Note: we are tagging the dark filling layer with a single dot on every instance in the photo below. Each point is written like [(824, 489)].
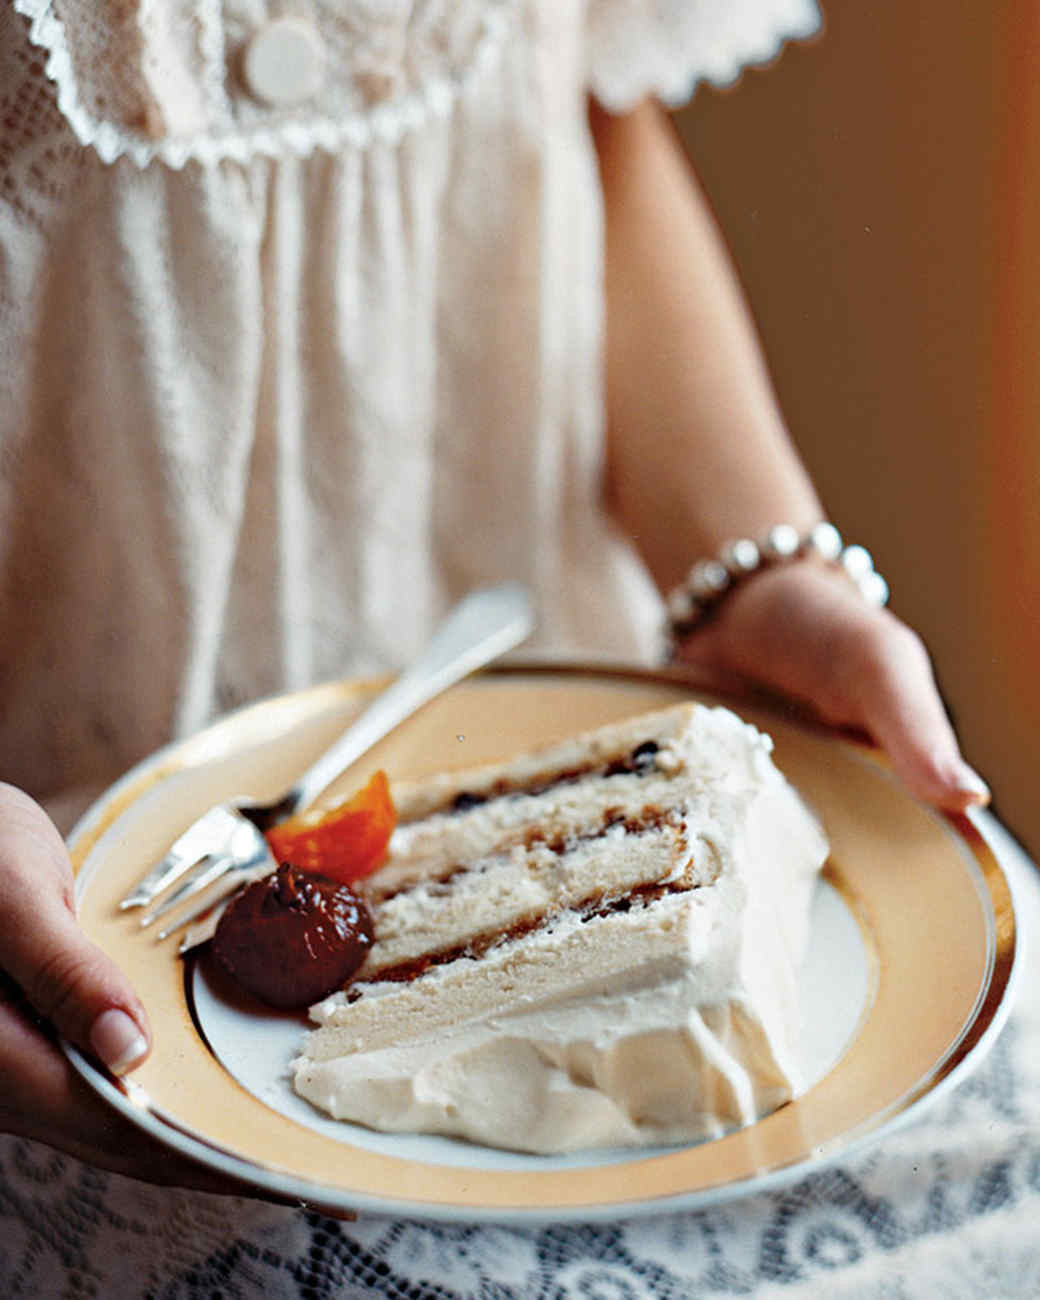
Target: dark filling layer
[(595, 905), (639, 761), (478, 945), (650, 817)]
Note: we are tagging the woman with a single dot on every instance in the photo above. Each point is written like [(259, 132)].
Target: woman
[(314, 321)]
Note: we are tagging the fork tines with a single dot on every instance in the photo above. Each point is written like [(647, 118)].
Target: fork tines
[(213, 828)]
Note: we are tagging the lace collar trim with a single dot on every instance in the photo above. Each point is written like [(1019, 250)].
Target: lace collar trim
[(210, 131)]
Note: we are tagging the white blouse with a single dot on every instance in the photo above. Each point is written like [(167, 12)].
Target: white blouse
[(300, 335), (300, 327)]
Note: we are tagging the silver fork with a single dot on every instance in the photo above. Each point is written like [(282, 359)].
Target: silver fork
[(227, 844)]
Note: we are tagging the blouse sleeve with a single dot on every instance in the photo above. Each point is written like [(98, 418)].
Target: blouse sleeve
[(665, 47)]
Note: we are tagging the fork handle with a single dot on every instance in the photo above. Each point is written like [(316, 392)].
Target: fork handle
[(482, 626)]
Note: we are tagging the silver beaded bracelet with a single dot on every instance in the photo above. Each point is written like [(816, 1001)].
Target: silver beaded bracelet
[(711, 580)]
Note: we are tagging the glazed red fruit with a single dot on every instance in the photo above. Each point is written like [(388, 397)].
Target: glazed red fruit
[(293, 938)]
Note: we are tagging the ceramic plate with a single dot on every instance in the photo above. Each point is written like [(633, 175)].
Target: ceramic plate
[(907, 982)]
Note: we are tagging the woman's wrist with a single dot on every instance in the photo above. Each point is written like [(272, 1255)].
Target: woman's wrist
[(712, 579)]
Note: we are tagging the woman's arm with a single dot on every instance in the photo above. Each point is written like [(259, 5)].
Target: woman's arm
[(691, 406), (698, 454)]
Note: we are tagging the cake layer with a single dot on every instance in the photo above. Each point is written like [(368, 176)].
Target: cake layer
[(511, 893), (577, 956), (610, 750), (578, 809), (644, 1055)]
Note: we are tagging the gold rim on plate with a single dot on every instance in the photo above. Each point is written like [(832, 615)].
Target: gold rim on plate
[(929, 895)]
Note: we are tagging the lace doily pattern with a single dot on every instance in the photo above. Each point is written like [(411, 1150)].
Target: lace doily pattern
[(666, 47), (150, 80), (928, 1214)]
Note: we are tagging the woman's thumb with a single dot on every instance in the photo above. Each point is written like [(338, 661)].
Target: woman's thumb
[(69, 981)]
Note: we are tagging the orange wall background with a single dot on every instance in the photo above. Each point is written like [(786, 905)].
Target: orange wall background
[(880, 189)]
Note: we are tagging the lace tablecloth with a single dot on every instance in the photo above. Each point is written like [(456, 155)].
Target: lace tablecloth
[(946, 1206)]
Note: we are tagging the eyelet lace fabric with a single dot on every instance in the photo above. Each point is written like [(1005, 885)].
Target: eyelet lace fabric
[(437, 192), (38, 157)]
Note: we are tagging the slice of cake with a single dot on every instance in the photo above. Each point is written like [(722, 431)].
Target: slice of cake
[(593, 945)]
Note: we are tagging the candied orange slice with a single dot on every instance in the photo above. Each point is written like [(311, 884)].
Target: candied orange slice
[(344, 843)]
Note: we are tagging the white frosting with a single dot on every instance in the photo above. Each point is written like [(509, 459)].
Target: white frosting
[(673, 1020)]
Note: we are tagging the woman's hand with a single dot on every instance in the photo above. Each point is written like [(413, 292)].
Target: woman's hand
[(803, 630), (53, 981)]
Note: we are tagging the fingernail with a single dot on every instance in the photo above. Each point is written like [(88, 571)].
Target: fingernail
[(118, 1041), (968, 782)]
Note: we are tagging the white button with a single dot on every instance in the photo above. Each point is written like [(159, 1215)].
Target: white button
[(284, 62)]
